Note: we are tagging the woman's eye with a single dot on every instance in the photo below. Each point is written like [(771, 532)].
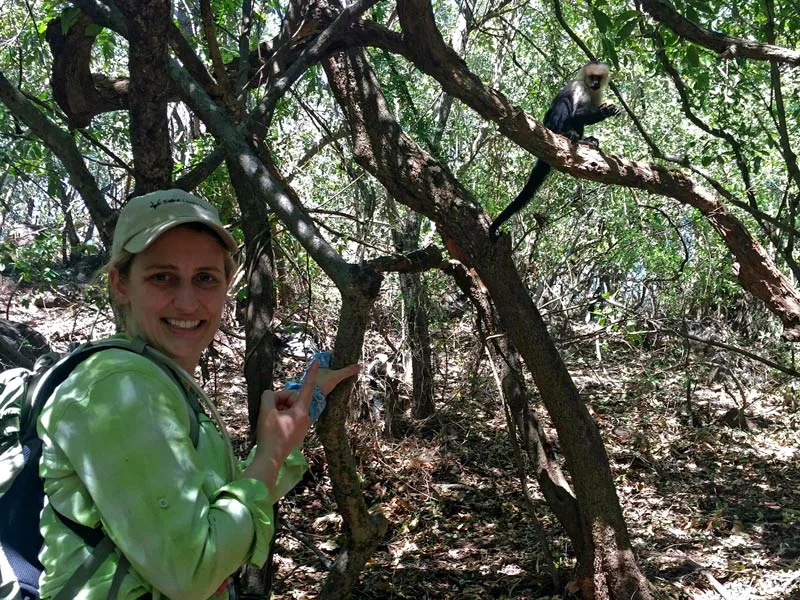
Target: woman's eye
[(206, 278), (160, 278)]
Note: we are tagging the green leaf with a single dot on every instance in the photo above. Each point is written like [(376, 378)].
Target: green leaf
[(627, 28), (94, 30), (693, 56), (602, 19), (611, 52), (703, 81), (628, 14)]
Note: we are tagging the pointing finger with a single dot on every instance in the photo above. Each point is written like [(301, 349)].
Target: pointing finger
[(307, 389)]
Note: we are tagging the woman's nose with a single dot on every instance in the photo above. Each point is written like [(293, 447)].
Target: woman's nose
[(185, 298)]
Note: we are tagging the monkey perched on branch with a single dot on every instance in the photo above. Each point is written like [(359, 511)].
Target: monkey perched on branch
[(578, 104)]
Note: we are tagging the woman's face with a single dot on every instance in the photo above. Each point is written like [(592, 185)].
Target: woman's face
[(175, 293)]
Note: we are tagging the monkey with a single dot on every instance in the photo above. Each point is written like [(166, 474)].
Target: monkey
[(579, 103)]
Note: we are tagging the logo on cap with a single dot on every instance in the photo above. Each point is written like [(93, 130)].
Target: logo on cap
[(156, 203)]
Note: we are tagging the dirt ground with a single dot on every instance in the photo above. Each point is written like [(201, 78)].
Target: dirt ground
[(713, 509)]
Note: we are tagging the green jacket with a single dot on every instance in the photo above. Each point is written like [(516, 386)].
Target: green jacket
[(117, 451)]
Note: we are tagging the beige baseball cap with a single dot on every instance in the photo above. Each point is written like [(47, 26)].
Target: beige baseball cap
[(146, 217)]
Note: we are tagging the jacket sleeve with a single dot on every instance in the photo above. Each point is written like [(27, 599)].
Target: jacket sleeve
[(162, 501)]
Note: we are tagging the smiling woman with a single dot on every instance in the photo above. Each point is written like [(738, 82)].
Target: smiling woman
[(175, 303), (122, 452)]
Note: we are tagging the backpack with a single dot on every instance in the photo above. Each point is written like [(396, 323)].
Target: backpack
[(23, 394)]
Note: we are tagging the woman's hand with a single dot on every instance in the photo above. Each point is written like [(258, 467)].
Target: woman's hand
[(327, 379), (283, 420)]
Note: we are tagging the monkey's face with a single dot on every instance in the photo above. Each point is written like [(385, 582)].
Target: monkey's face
[(595, 76), (595, 82)]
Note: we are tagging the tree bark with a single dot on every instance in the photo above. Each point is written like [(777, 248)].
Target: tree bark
[(149, 23), (416, 308), (557, 491), (364, 529), (260, 340), (80, 94), (726, 46)]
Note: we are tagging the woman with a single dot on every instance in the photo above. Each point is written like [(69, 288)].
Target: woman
[(117, 449)]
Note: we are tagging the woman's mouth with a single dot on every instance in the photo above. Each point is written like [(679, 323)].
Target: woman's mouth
[(180, 324)]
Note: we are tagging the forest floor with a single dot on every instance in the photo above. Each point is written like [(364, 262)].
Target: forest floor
[(713, 510)]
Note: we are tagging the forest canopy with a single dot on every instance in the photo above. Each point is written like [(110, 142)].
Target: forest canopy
[(359, 153)]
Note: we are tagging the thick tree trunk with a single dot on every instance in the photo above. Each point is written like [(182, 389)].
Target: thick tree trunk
[(416, 307), (608, 568), (149, 23), (260, 340), (363, 529)]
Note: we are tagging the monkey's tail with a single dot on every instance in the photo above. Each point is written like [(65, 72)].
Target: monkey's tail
[(535, 180)]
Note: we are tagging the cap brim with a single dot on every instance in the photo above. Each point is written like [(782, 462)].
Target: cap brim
[(143, 239)]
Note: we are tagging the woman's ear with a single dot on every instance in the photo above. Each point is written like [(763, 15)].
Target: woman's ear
[(119, 286)]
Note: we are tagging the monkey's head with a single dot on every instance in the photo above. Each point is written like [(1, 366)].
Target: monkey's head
[(595, 75)]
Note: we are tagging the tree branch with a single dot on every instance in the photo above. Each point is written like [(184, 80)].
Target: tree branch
[(63, 146), (411, 262), (726, 46)]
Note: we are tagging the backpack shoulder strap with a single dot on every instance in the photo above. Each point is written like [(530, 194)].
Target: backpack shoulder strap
[(177, 374), (97, 556), (46, 384)]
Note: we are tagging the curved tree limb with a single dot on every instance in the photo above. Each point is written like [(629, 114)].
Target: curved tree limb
[(63, 146), (416, 261), (717, 132), (768, 226), (751, 207), (78, 92), (726, 46)]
